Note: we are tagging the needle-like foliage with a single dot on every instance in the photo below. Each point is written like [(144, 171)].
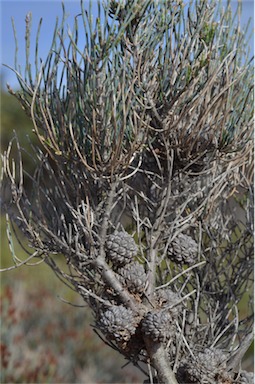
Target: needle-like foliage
[(144, 116)]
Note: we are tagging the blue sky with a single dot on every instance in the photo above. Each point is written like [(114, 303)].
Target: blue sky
[(18, 9), (49, 10)]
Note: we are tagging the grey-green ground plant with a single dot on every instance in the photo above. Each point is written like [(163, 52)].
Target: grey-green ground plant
[(144, 180)]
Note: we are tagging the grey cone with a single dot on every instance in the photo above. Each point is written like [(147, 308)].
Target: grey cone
[(183, 250), (133, 277), (166, 298), (208, 364), (120, 248), (159, 325), (118, 323)]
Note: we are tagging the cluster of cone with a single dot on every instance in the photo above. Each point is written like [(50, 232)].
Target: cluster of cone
[(119, 323), (127, 328)]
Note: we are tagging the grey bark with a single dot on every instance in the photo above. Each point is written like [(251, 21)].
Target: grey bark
[(160, 362)]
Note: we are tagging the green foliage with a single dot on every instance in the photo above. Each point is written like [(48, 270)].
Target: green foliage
[(13, 119), (144, 66)]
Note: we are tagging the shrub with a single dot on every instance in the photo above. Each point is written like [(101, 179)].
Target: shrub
[(146, 136)]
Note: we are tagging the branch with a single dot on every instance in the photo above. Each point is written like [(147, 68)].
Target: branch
[(160, 362), (111, 279)]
